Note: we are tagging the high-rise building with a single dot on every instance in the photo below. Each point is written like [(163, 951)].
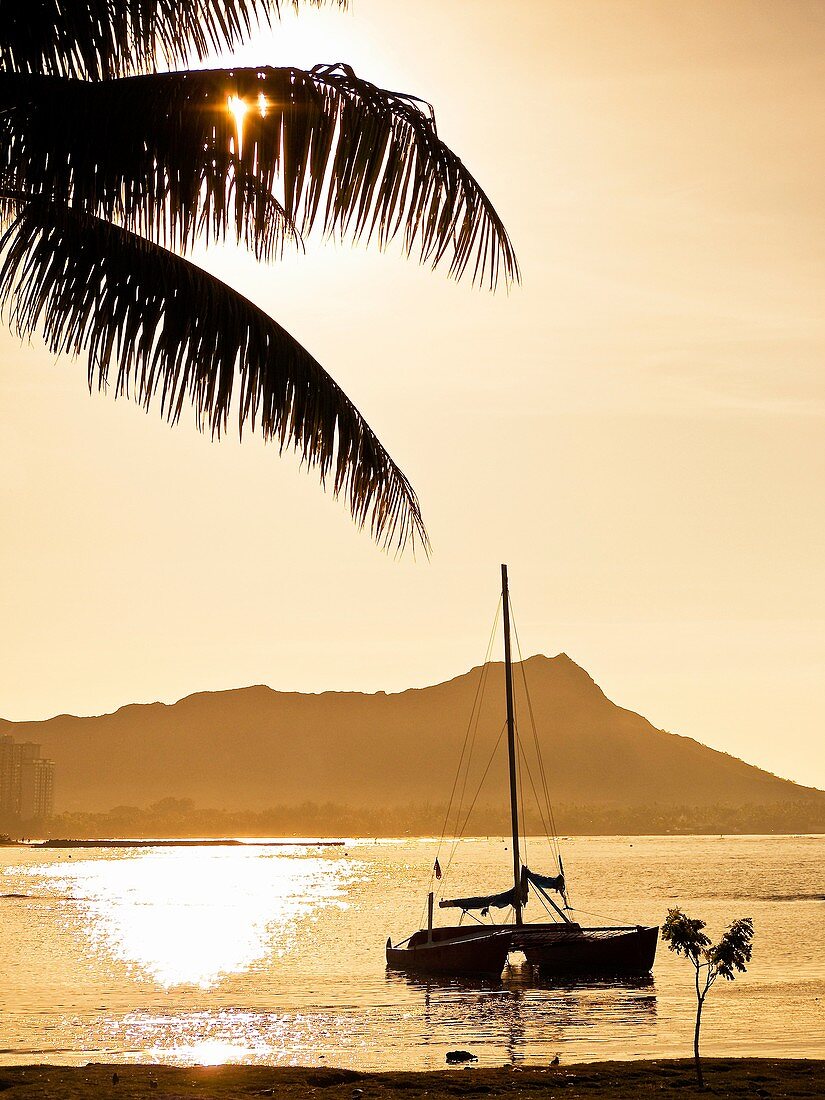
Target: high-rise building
[(6, 772), (26, 780), (36, 789)]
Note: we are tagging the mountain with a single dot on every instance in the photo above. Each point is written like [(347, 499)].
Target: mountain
[(253, 748)]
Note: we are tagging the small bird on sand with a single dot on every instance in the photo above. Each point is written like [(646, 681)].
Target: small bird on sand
[(153, 1083), (555, 1061)]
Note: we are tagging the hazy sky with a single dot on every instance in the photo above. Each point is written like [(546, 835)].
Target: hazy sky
[(637, 430)]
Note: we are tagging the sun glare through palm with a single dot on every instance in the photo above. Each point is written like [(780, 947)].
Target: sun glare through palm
[(238, 107)]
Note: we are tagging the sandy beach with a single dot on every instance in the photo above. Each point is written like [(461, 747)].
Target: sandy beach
[(726, 1077)]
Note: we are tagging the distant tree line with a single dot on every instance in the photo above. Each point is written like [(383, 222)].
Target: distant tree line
[(180, 817)]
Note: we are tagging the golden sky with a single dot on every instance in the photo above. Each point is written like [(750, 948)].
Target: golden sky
[(637, 430)]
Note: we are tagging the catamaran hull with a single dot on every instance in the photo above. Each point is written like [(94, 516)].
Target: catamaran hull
[(466, 956), (591, 952), (554, 949)]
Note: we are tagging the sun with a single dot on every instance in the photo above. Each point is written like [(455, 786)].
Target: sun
[(238, 107)]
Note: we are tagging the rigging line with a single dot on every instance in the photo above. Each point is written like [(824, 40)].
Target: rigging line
[(475, 716), (519, 755), (476, 703), (475, 799), (532, 717), (524, 837), (589, 913), (533, 785), (485, 676), (457, 829), (541, 815), (551, 832), (481, 784), (544, 904), (479, 692), (554, 845), (474, 917), (521, 798)]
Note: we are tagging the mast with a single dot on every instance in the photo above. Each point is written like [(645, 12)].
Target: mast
[(511, 741)]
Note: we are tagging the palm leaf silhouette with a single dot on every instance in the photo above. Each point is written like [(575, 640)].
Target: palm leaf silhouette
[(177, 335), (319, 146), (99, 38), (108, 169)]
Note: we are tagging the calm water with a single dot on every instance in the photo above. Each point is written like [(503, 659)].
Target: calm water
[(203, 955)]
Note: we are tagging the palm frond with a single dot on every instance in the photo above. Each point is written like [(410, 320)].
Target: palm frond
[(101, 38), (158, 328), (163, 154)]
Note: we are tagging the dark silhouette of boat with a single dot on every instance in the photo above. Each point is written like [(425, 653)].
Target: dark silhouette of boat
[(453, 950), (560, 947)]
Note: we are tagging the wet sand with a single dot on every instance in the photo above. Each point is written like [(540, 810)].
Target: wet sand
[(757, 1078)]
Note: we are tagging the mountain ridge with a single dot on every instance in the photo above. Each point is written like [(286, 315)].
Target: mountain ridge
[(257, 746)]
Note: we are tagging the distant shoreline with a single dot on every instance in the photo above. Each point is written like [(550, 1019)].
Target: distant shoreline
[(340, 840), (183, 819), (188, 842), (667, 1079)]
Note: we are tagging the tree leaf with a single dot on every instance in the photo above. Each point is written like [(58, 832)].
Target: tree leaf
[(734, 950), (685, 935)]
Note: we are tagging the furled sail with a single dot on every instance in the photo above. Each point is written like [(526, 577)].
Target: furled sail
[(488, 901), (545, 882), (507, 897)]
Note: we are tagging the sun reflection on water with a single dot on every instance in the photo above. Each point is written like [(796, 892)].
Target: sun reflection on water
[(237, 1036), (274, 955), (190, 917), (210, 1052)]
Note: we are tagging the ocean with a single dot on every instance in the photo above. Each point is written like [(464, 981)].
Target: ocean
[(205, 955)]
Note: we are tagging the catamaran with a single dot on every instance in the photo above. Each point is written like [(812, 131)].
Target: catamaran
[(558, 947)]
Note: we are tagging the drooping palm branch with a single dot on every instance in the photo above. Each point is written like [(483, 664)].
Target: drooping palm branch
[(175, 334), (320, 146), (102, 38), (101, 174)]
